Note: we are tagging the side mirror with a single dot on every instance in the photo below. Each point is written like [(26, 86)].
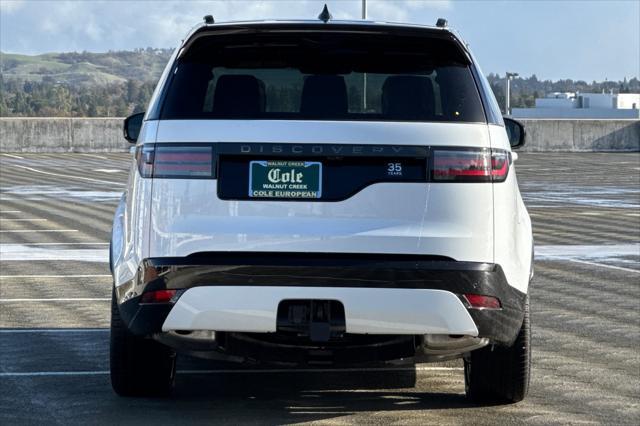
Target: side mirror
[(132, 125), (515, 132)]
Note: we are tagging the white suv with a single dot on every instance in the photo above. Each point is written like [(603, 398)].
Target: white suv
[(322, 192)]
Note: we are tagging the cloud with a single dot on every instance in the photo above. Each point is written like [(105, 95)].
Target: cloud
[(64, 25), (10, 6), (405, 10), (551, 41)]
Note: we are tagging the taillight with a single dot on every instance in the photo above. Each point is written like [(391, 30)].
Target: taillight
[(500, 161), (174, 161), (469, 165), (144, 157), (479, 301)]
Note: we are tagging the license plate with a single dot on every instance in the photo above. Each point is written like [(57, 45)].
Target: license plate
[(285, 179)]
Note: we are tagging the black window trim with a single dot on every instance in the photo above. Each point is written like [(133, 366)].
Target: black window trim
[(491, 116), (155, 111)]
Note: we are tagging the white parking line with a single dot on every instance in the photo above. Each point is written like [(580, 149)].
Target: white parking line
[(41, 230), (51, 330), (69, 176), (54, 244), (24, 220), (60, 299), (110, 170), (101, 157), (263, 371), (14, 156), (579, 254), (55, 373), (619, 268), (587, 251), (10, 211), (54, 276), (49, 192), (16, 252)]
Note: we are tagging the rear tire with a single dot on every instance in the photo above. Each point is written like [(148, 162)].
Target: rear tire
[(139, 366), (501, 374)]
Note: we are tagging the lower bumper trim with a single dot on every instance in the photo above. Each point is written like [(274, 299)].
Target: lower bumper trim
[(319, 276), (249, 309)]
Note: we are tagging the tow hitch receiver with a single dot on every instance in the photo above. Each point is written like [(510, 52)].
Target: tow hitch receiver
[(317, 320)]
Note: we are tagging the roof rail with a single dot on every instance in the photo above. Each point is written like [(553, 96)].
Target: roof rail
[(442, 23)]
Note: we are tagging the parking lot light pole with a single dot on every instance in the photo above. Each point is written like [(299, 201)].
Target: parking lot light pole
[(507, 97)]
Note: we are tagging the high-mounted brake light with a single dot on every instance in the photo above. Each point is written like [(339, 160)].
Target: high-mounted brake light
[(469, 165), (173, 161), (158, 296), (478, 301)]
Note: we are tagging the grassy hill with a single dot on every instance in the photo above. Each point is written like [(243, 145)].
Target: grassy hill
[(85, 69), (118, 83)]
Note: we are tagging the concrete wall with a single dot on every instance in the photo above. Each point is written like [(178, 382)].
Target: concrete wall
[(105, 134), (61, 135), (570, 113), (581, 135)]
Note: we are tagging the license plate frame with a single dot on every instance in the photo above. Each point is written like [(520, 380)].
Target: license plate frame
[(285, 179)]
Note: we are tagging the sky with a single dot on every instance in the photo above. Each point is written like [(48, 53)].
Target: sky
[(554, 39)]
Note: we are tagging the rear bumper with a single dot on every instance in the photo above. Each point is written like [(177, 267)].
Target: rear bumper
[(381, 294), (253, 309)]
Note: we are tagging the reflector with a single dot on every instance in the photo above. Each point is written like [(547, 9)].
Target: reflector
[(478, 301), (158, 296)]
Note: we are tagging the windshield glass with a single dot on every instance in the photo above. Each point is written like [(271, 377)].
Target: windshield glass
[(323, 76)]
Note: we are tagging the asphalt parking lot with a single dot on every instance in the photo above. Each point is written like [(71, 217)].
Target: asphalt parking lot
[(55, 219)]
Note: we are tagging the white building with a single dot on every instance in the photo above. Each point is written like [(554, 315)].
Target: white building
[(583, 105), (628, 101)]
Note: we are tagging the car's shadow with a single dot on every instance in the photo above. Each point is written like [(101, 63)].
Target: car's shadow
[(286, 397)]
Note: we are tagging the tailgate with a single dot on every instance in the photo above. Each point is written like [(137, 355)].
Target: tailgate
[(358, 188)]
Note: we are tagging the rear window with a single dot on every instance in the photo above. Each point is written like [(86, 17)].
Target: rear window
[(323, 76)]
